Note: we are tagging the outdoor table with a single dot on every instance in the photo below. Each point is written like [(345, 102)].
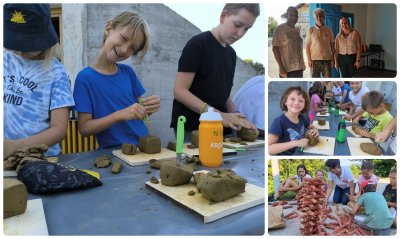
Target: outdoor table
[(123, 205), (340, 148)]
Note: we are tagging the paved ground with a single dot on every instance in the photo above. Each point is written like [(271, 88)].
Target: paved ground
[(273, 69), (293, 225)]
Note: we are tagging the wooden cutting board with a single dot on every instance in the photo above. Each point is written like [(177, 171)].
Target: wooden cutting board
[(30, 223), (325, 146), (195, 152), (351, 131), (256, 143), (354, 146), (141, 158), (321, 127), (253, 196)]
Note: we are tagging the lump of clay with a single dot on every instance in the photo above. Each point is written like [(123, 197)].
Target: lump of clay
[(33, 153), (150, 144), (323, 112), (172, 175), (194, 138), (371, 148), (15, 197), (321, 121), (102, 161), (220, 184), (247, 134), (116, 168), (312, 140), (128, 149), (171, 145)]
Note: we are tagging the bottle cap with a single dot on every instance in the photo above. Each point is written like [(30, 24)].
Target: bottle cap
[(211, 115)]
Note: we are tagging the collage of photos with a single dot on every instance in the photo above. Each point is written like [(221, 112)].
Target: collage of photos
[(332, 142)]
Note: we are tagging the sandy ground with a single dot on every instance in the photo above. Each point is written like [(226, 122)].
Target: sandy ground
[(292, 225)]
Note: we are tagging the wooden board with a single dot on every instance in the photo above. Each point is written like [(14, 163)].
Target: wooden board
[(253, 196), (325, 115), (256, 143), (325, 146), (30, 223), (351, 131), (141, 158), (195, 152), (342, 112), (321, 127), (354, 146)]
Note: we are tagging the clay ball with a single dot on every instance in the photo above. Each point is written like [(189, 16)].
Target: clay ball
[(247, 134), (321, 122)]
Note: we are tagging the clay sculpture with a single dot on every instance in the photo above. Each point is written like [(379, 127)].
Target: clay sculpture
[(321, 121), (173, 175), (15, 197), (322, 112), (371, 148), (247, 134), (150, 144), (116, 168), (220, 184), (171, 145), (33, 153), (128, 149), (312, 140), (194, 138)]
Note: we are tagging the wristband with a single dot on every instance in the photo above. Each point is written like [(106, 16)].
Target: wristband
[(203, 108)]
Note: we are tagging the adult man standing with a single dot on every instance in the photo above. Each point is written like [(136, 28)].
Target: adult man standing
[(287, 46), (320, 46)]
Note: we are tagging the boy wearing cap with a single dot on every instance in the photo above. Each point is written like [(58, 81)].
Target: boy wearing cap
[(378, 217), (37, 91)]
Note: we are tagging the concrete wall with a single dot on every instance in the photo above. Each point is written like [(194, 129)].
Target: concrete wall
[(83, 32)]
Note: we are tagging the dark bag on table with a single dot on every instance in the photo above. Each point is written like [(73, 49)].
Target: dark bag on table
[(46, 177)]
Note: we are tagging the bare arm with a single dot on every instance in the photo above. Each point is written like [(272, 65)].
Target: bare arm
[(358, 43), (329, 191), (89, 126), (275, 148), (355, 209), (382, 136), (351, 184), (54, 134), (278, 58), (308, 52), (343, 97), (337, 52), (333, 52)]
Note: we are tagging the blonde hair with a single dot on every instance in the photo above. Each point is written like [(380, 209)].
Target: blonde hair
[(134, 23), (340, 25), (233, 8)]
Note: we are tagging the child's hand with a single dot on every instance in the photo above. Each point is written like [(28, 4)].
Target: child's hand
[(236, 121), (347, 117), (151, 104), (135, 111), (314, 132), (360, 131), (302, 142)]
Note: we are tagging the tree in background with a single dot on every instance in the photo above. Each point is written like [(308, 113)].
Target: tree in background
[(256, 65), (272, 24)]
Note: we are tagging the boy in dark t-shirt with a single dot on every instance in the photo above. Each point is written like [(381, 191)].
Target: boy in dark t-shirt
[(206, 70), (390, 193)]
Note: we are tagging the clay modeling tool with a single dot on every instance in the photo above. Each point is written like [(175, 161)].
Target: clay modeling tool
[(180, 135), (146, 118)]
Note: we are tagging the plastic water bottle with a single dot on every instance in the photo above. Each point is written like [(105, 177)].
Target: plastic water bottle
[(210, 138), (336, 114), (341, 133)]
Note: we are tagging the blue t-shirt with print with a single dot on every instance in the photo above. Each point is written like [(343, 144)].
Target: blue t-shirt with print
[(101, 95), (287, 131), (31, 91)]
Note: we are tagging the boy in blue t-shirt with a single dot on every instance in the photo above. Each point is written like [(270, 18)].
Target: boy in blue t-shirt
[(107, 94), (378, 217)]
